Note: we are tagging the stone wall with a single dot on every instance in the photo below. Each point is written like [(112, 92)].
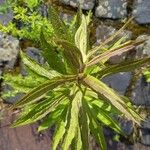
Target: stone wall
[(115, 9)]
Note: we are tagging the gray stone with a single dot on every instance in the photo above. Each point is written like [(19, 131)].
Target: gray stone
[(119, 81), (127, 126), (103, 32), (143, 49), (141, 93), (113, 9), (34, 53), (5, 17), (9, 49), (145, 137), (141, 11), (85, 4), (145, 132), (146, 123)]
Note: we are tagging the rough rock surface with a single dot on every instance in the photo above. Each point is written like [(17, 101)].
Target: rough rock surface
[(119, 81), (113, 9), (9, 48), (145, 130), (85, 4), (143, 49), (141, 11), (7, 17), (141, 94)]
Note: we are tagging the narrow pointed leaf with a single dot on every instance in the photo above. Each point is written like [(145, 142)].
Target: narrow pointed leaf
[(81, 38), (71, 52), (107, 120), (60, 129), (39, 111), (108, 54), (96, 128), (108, 94), (51, 55), (40, 91), (52, 118), (34, 66), (60, 29), (73, 121), (84, 127), (76, 142), (122, 67)]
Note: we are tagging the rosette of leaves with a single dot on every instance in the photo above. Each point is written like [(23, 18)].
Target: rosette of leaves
[(69, 93)]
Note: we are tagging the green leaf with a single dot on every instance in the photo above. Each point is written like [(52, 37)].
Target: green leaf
[(107, 120), (51, 55), (76, 142), (32, 3), (71, 53), (81, 38), (41, 91), (108, 54), (34, 66), (60, 129), (108, 107), (147, 74), (39, 111), (95, 127), (84, 127), (21, 83), (72, 120), (122, 67), (108, 94), (60, 29), (52, 118)]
